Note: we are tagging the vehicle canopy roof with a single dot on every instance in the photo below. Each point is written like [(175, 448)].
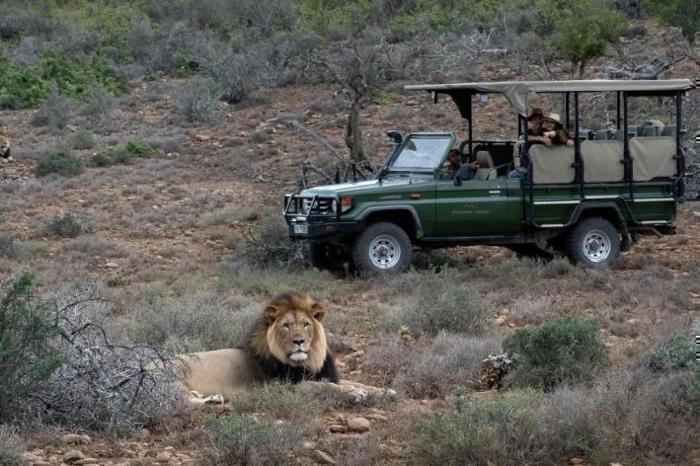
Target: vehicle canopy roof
[(516, 92)]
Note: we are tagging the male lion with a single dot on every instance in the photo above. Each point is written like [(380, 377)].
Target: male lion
[(286, 343)]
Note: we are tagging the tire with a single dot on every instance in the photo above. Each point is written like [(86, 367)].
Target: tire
[(382, 248), (593, 243)]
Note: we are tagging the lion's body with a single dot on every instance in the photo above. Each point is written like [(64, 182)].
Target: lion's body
[(288, 343)]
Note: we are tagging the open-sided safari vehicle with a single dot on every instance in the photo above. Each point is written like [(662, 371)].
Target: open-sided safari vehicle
[(588, 200)]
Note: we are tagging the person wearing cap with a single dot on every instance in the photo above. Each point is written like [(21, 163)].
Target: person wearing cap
[(535, 135), (554, 131)]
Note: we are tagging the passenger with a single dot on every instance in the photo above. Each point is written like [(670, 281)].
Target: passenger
[(554, 131), (535, 135)]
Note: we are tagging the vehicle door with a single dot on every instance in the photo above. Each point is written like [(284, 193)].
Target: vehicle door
[(478, 208)]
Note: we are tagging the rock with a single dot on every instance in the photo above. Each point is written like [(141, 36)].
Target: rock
[(73, 456), (40, 463), (87, 461), (358, 424), (309, 445), (111, 265), (202, 137), (377, 417), (500, 320), (575, 461), (338, 428), (164, 457), (323, 457), (76, 439)]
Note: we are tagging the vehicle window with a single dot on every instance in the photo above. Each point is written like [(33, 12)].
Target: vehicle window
[(422, 152)]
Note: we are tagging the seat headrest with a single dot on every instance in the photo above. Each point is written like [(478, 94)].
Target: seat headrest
[(484, 159)]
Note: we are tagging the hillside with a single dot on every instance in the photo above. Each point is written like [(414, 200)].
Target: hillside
[(173, 221)]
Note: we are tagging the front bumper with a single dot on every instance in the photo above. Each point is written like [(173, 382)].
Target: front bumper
[(306, 228)]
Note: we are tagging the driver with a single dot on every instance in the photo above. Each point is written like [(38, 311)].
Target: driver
[(454, 167)]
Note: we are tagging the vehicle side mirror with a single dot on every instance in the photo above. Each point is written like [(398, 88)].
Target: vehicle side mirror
[(395, 136)]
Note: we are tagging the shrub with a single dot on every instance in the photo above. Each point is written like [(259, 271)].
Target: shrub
[(99, 105), (26, 357), (227, 215), (448, 362), (54, 112), (11, 447), (123, 154), (677, 352), (197, 101), (105, 383), (26, 86), (11, 248), (269, 245), (83, 140), (199, 320), (62, 163), (630, 416), (566, 350), (440, 302), (66, 226), (239, 439)]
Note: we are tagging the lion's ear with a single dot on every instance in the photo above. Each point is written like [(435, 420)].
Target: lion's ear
[(270, 314), (317, 311)]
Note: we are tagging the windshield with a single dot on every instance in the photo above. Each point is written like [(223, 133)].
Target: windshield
[(423, 152)]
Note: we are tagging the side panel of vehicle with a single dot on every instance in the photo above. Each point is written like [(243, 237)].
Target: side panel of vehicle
[(476, 207), (416, 199)]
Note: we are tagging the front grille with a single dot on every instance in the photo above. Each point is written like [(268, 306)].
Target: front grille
[(298, 205)]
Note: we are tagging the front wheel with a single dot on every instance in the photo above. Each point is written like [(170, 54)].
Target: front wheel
[(382, 247), (593, 243)]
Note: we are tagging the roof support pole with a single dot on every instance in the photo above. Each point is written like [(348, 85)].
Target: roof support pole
[(629, 169), (471, 124), (567, 106), (617, 115), (680, 160), (577, 146)]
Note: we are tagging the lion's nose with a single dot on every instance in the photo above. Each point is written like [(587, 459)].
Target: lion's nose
[(298, 341)]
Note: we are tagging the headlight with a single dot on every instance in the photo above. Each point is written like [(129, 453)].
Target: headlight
[(345, 204)]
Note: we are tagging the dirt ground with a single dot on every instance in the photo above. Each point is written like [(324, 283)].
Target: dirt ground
[(154, 221)]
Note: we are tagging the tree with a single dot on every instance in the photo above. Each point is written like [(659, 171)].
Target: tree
[(684, 14), (581, 30)]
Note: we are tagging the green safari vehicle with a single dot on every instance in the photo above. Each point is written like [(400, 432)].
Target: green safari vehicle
[(588, 201)]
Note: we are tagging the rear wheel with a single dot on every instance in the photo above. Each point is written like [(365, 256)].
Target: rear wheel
[(593, 243), (382, 247)]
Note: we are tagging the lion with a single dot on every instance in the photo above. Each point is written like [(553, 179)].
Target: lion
[(287, 343)]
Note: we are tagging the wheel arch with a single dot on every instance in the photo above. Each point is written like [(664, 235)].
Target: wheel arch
[(404, 216), (609, 211)]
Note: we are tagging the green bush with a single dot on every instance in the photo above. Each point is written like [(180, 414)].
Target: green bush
[(566, 350), (675, 353), (66, 226), (239, 439), (26, 358), (26, 86), (121, 155), (62, 163)]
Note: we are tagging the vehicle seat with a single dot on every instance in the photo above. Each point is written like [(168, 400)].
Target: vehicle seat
[(669, 130), (602, 161), (552, 164), (603, 135), (486, 170), (653, 157), (650, 128)]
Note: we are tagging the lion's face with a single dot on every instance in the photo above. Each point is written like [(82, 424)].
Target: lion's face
[(295, 335)]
